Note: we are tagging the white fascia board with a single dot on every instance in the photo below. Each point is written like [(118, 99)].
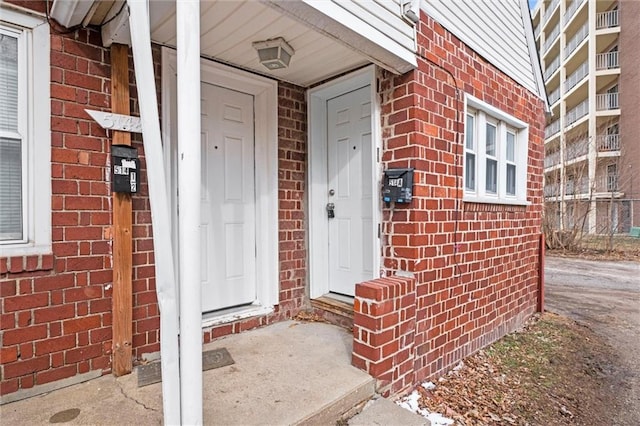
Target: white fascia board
[(533, 53), (70, 13), (330, 19)]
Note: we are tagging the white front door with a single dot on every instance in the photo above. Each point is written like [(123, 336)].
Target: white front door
[(228, 246), (349, 175)]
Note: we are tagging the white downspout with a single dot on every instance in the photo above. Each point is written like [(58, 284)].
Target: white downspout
[(189, 157), (165, 275)]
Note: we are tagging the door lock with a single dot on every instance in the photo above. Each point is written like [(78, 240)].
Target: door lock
[(330, 210)]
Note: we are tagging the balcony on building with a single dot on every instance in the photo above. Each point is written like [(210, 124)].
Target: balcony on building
[(550, 10), (608, 61), (551, 68), (551, 159), (571, 10), (608, 19), (552, 129), (576, 150), (608, 141), (576, 186), (576, 113), (608, 181), (576, 40), (551, 37), (608, 102), (552, 190), (576, 87), (607, 28), (554, 96)]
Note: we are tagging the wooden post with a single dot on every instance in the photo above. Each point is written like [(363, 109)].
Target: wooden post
[(122, 224)]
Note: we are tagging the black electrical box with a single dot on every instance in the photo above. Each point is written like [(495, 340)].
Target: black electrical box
[(125, 169), (397, 185)]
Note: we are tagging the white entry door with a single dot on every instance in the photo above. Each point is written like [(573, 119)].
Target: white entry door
[(349, 172), (228, 199)]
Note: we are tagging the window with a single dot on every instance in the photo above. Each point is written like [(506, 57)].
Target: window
[(495, 159), (25, 194), (470, 155)]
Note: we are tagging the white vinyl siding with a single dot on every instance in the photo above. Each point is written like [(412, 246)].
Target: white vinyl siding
[(25, 159), (495, 30), (496, 147)]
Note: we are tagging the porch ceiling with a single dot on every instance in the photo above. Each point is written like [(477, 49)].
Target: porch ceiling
[(228, 28)]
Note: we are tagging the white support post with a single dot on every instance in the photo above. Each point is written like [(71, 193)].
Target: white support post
[(165, 275), (189, 157)]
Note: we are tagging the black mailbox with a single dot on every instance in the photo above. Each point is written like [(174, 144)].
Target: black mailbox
[(397, 185), (125, 169)]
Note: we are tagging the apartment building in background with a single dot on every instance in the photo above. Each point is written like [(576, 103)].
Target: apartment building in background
[(590, 57)]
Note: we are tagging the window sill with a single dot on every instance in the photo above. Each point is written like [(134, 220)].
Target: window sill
[(491, 200), (30, 263)]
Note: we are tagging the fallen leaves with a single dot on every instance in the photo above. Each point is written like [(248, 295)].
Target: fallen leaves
[(542, 374)]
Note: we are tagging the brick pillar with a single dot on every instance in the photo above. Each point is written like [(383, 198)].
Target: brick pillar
[(384, 331)]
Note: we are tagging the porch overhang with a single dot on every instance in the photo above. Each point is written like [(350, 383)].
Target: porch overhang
[(329, 38)]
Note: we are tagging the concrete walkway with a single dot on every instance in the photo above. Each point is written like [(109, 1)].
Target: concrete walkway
[(286, 373)]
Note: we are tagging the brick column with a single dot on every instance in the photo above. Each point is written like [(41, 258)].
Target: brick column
[(384, 331)]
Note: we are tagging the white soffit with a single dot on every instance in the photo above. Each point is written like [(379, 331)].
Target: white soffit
[(228, 29)]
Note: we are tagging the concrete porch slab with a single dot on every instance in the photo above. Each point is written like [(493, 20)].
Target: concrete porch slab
[(286, 373)]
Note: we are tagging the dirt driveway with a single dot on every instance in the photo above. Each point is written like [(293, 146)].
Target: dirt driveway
[(604, 296)]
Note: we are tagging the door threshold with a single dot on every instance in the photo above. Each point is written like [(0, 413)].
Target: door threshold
[(337, 309), (234, 314)]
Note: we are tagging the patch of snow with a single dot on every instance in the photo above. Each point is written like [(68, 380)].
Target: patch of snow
[(459, 367), (429, 386), (411, 403)]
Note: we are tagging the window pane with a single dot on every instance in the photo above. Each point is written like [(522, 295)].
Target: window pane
[(491, 140), (511, 147), (492, 176), (470, 171), (511, 179), (469, 131), (8, 82), (10, 189)]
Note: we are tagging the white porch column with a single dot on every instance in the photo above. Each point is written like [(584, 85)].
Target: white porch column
[(165, 275), (189, 157)]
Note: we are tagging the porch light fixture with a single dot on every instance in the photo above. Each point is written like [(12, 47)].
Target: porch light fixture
[(274, 53)]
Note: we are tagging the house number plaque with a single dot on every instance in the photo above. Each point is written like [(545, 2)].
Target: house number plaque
[(112, 121)]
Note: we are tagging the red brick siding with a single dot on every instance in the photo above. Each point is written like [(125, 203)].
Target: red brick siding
[(384, 331), (476, 265), (56, 308)]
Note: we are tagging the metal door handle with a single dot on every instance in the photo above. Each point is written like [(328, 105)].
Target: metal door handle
[(331, 210)]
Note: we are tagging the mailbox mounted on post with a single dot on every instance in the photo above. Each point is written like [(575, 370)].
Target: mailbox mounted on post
[(397, 185), (125, 169)]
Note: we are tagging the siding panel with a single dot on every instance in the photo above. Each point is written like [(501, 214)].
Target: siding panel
[(496, 32)]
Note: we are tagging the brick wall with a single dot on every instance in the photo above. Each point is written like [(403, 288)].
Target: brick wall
[(56, 308), (475, 265), (629, 164)]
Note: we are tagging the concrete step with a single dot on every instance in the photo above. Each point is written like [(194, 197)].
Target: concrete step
[(286, 373), (381, 411)]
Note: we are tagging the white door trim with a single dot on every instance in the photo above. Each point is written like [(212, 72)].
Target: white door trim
[(317, 161), (265, 93)]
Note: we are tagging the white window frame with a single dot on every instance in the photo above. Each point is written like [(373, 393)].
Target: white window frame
[(484, 113), (34, 117)]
